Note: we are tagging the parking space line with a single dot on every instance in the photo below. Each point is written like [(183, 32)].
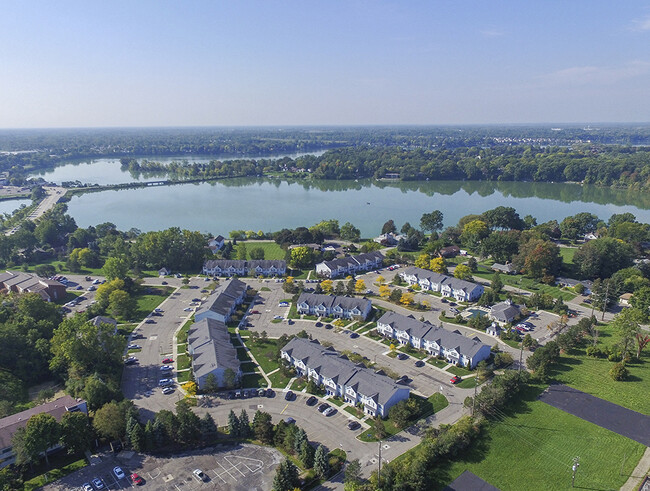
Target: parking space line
[(233, 465), (234, 478), (218, 475)]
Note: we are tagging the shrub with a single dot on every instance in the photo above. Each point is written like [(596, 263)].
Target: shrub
[(615, 356), (619, 372), (595, 352)]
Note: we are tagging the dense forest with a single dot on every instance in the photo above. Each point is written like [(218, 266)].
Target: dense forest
[(615, 156)]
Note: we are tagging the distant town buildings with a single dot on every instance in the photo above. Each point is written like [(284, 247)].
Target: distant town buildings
[(254, 267)]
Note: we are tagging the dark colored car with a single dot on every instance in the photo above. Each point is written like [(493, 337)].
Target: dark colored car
[(455, 379), (402, 356), (419, 363), (270, 393), (322, 407), (354, 335), (328, 326), (311, 401), (319, 324), (353, 425), (289, 396)]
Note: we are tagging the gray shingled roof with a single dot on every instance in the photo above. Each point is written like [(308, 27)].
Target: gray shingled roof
[(331, 301), (360, 259), (224, 297), (442, 279), (328, 363), (206, 329), (410, 324), (211, 347), (504, 311)]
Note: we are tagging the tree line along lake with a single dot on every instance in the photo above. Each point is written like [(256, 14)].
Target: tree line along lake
[(272, 204)]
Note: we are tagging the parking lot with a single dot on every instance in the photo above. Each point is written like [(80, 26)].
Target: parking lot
[(238, 467)]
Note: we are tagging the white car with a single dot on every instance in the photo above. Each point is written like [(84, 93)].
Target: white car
[(168, 390), (166, 382), (200, 475), (134, 346), (164, 368), (329, 411), (187, 309), (119, 473)]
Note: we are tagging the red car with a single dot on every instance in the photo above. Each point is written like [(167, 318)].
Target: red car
[(136, 479), (455, 379), (255, 311), (168, 360)]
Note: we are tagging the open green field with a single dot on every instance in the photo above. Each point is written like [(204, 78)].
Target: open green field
[(271, 249), (532, 447), (264, 353), (147, 302), (591, 375), (519, 281), (254, 380), (279, 380)]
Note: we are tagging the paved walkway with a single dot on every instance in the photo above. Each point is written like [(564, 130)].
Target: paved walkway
[(639, 472)]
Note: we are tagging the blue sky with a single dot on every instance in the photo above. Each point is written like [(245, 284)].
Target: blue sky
[(171, 63)]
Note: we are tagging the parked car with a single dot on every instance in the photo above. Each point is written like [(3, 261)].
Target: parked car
[(261, 392), (87, 487), (402, 356), (319, 324), (200, 475), (328, 326), (311, 401), (255, 311), (329, 411), (166, 382), (283, 304), (119, 473), (98, 483), (164, 368), (134, 346), (289, 396), (168, 390), (419, 363), (353, 425), (150, 321), (270, 393), (91, 288), (354, 335), (168, 360), (289, 420), (130, 360), (455, 379), (135, 479), (323, 407)]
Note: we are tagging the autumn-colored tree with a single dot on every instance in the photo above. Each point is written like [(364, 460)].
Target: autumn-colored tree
[(438, 265), (381, 280), (422, 261), (327, 286), (463, 272), (384, 291), (360, 286), (407, 298)]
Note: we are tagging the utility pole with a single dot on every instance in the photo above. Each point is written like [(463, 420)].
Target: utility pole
[(576, 464), (521, 356), (475, 390), (605, 301)]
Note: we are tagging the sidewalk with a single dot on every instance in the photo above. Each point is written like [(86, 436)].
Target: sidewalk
[(639, 472)]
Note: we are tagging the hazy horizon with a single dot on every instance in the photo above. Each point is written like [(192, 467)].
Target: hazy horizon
[(159, 64)]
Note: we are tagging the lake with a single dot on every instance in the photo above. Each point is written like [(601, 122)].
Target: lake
[(272, 204), (109, 171), (11, 205)]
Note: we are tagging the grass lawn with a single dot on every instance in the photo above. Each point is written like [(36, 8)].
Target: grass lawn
[(54, 474), (279, 380), (183, 377), (242, 355), (271, 249), (265, 289), (249, 366), (529, 284), (392, 354), (533, 448), (437, 363), (299, 384), (420, 355), (468, 383), (458, 370), (254, 380), (264, 353), (181, 337), (591, 375), (354, 411), (183, 362), (147, 302), (336, 402)]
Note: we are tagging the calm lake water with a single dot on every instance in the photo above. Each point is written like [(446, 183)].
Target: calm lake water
[(11, 205), (109, 171), (270, 205)]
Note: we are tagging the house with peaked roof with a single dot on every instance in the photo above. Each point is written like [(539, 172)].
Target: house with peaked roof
[(333, 306), (212, 352), (438, 341), (349, 265), (221, 304), (254, 267), (507, 268), (216, 243), (461, 290), (11, 424), (101, 319), (19, 282), (340, 377), (505, 312)]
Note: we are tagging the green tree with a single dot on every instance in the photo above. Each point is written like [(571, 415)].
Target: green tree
[(137, 438), (389, 227), (463, 272), (244, 424), (379, 428), (257, 253), (286, 477), (400, 414), (473, 233), (263, 427), (121, 304), (41, 432), (497, 284), (233, 424), (352, 473), (350, 232), (208, 428), (321, 462), (431, 222), (307, 454), (300, 437), (115, 268), (110, 420)]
